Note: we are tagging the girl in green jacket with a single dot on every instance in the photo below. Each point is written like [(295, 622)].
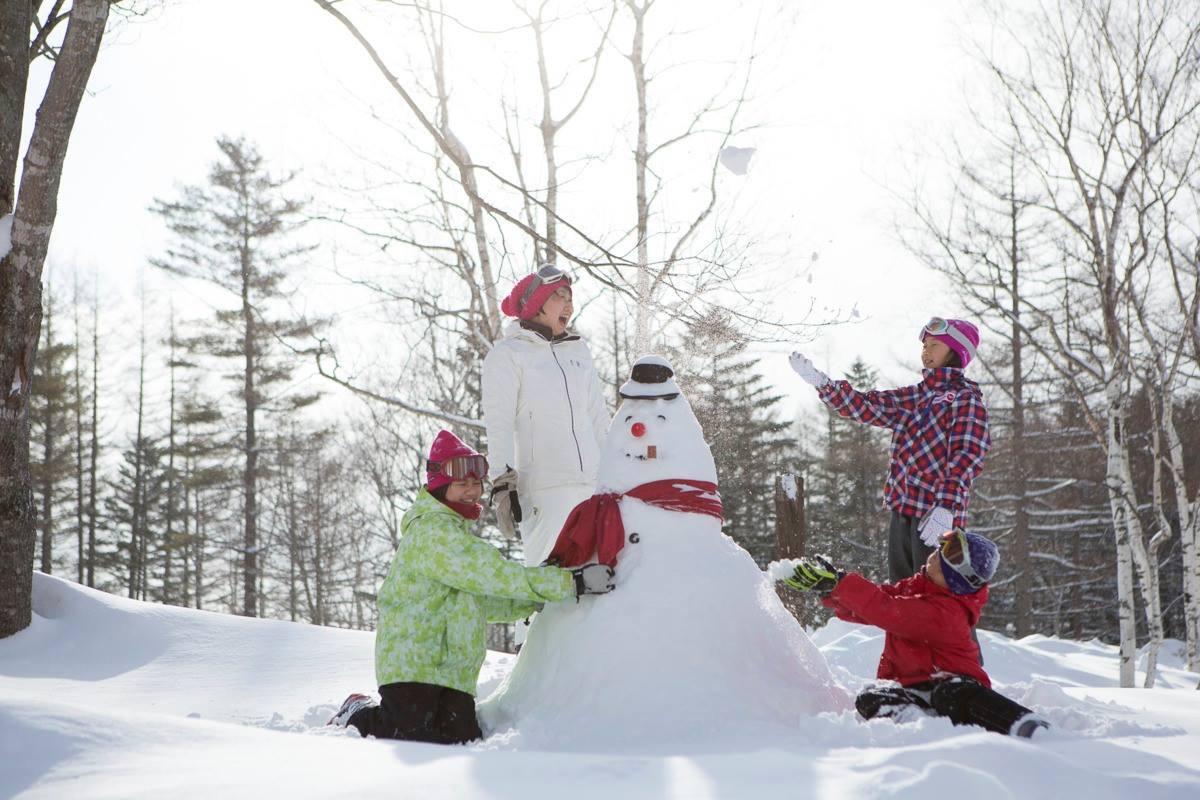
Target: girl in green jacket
[(444, 586)]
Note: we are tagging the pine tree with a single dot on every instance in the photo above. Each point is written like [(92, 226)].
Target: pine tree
[(736, 410), (235, 233), (51, 416), (846, 516), (134, 512), (206, 480)]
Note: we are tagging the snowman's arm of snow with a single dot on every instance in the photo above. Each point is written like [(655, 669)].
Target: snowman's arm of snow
[(968, 443), (502, 609), (469, 564), (890, 408), (922, 619), (500, 383)]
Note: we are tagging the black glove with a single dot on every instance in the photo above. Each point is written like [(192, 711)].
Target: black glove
[(507, 504), (816, 574), (593, 579)]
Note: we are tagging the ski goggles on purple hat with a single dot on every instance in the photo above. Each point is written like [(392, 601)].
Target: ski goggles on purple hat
[(546, 274), (937, 326), (956, 555)]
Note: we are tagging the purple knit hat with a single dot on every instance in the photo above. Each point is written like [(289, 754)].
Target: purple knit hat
[(982, 555), (959, 335)]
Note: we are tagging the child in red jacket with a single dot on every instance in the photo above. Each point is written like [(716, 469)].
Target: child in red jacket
[(929, 659)]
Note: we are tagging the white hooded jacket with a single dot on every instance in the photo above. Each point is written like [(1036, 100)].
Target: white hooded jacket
[(544, 409)]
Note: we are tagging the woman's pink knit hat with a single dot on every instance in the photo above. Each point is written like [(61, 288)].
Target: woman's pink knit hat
[(514, 307)]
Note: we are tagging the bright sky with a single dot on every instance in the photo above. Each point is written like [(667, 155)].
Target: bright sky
[(855, 90)]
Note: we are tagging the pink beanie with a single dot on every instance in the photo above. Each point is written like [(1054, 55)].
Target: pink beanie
[(962, 338), (512, 307), (445, 445)]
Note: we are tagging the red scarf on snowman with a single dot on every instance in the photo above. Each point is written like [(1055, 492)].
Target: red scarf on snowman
[(595, 526)]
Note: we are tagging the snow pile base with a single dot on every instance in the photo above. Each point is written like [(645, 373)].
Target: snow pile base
[(693, 646), (105, 697)]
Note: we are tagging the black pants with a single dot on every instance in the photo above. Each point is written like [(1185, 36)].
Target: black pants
[(420, 712), (906, 551), (964, 701)]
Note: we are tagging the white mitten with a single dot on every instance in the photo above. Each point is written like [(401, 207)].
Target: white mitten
[(937, 523), (805, 369), (508, 505)]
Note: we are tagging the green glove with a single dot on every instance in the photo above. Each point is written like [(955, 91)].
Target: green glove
[(815, 574)]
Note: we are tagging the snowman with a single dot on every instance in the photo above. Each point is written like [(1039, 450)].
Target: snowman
[(693, 645)]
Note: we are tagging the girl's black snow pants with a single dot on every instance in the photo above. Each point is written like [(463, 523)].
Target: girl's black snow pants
[(964, 701), (420, 712)]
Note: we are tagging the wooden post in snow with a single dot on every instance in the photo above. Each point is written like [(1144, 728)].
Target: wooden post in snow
[(790, 533)]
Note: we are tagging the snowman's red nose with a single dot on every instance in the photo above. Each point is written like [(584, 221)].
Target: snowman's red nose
[(638, 429)]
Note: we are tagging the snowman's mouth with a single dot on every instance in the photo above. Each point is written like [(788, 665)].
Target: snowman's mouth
[(649, 454)]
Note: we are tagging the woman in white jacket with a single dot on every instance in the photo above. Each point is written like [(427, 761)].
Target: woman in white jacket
[(545, 413)]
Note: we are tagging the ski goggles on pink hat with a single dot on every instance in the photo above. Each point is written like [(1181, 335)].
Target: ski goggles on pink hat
[(937, 326), (546, 275), (456, 468), (955, 554)]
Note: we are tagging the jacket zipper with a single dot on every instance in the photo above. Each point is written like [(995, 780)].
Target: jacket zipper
[(570, 406)]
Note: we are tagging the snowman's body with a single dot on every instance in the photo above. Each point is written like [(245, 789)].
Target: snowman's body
[(693, 645)]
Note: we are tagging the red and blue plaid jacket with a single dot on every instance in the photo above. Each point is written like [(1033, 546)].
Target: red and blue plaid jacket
[(939, 438)]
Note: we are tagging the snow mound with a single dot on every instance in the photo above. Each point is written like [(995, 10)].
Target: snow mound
[(692, 649), (92, 648), (105, 697)]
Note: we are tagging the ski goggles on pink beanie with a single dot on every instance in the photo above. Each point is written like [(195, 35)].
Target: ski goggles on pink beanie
[(959, 335), (450, 459), (531, 292)]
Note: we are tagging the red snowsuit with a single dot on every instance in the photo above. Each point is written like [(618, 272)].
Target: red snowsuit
[(928, 628)]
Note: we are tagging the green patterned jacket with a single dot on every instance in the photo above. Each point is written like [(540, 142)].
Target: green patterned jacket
[(444, 586)]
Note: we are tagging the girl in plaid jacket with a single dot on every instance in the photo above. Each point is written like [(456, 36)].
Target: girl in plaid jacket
[(939, 439)]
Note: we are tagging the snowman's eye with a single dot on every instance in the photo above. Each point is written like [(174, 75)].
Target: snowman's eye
[(629, 418), (660, 416)]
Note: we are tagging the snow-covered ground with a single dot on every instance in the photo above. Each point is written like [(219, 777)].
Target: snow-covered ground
[(108, 697)]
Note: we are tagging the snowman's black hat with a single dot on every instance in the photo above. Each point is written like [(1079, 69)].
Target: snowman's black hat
[(652, 378)]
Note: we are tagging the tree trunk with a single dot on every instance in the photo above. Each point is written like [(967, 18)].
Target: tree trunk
[(319, 545), (1127, 626), (198, 549), (1023, 584), (137, 533), (21, 273), (15, 21), (94, 449), (641, 160), (250, 477), (77, 401), (169, 511), (1188, 511), (48, 452)]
